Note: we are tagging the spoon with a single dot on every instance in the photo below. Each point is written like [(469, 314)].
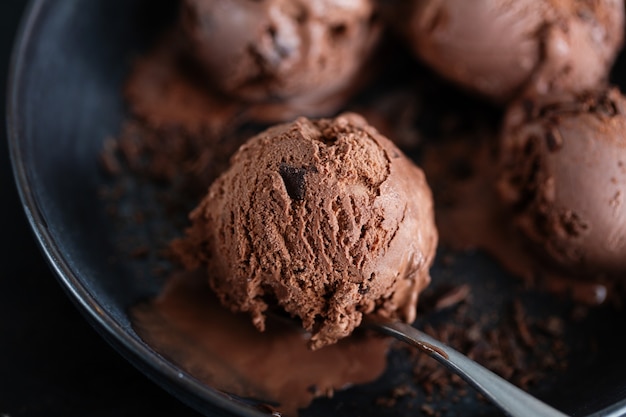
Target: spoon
[(509, 398)]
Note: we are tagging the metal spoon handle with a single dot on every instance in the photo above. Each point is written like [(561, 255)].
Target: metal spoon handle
[(505, 395)]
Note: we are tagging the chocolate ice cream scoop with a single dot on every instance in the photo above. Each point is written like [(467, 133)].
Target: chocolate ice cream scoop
[(500, 48), (325, 219), (563, 162), (282, 50)]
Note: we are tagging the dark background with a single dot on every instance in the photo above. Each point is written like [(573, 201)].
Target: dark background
[(52, 363)]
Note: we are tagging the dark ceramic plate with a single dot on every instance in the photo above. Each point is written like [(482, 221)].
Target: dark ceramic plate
[(69, 64)]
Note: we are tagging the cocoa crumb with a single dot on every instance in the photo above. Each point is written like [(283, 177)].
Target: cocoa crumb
[(522, 325), (388, 402), (108, 158), (427, 409), (452, 297)]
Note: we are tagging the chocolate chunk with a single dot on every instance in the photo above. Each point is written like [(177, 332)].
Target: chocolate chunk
[(294, 180), (554, 140)]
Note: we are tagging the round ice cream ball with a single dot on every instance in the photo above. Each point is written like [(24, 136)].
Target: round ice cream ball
[(276, 50), (501, 48), (563, 173), (325, 219)]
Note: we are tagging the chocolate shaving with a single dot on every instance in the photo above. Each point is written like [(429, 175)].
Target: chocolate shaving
[(454, 296)]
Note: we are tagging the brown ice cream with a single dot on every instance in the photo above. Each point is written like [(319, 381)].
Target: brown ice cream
[(282, 50), (501, 47), (326, 219), (563, 173)]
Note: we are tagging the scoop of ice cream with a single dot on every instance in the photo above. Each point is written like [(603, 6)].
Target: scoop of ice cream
[(326, 219), (563, 161), (277, 50), (502, 47)]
